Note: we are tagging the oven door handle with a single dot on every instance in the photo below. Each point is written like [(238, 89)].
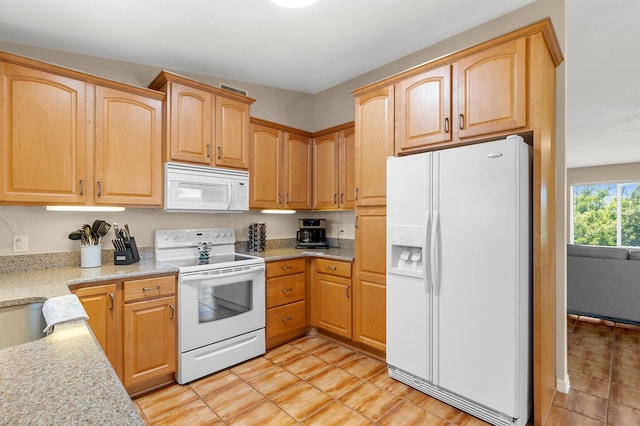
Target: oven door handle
[(225, 278)]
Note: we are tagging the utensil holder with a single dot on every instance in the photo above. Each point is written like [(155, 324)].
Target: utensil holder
[(128, 256), (257, 236), (91, 256)]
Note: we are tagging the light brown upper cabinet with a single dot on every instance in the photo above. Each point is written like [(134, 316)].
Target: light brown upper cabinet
[(488, 96), (43, 135), (128, 146), (280, 172), (204, 125), (423, 110), (70, 138), (334, 168), (492, 90), (374, 142)]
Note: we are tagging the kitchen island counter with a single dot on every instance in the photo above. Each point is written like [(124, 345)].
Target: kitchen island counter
[(64, 378)]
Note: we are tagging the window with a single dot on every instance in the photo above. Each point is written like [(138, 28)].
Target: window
[(606, 214)]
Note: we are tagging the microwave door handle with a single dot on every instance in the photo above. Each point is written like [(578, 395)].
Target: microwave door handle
[(229, 187)]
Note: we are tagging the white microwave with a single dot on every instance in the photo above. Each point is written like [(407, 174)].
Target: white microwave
[(189, 188)]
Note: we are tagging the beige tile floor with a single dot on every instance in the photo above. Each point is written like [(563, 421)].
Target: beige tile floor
[(604, 371), (315, 381)]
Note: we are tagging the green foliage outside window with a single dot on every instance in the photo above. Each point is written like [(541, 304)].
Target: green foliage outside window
[(595, 214)]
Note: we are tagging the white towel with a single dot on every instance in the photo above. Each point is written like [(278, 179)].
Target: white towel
[(60, 309)]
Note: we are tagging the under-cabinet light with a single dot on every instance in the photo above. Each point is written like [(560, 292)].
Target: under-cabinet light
[(278, 211), (294, 3), (85, 209)]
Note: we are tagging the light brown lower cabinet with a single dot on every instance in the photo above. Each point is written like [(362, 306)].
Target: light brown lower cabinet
[(286, 309), (135, 322), (332, 296)]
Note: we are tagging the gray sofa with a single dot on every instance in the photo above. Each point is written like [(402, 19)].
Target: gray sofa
[(604, 282)]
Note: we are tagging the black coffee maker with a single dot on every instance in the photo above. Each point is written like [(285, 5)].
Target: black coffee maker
[(312, 233)]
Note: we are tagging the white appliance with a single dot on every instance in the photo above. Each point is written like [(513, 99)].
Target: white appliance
[(221, 299), (459, 277), (190, 188)]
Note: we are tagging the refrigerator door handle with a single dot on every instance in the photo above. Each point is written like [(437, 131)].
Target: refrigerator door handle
[(435, 255), (427, 259)]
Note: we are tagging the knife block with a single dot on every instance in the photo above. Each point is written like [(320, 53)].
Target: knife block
[(128, 256)]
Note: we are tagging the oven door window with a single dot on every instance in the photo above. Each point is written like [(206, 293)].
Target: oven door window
[(224, 301)]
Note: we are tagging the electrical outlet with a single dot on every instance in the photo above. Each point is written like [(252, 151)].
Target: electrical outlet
[(20, 243)]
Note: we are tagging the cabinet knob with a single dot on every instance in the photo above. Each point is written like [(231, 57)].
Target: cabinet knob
[(331, 268)]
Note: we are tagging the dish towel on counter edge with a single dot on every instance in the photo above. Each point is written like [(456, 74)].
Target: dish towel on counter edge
[(62, 309)]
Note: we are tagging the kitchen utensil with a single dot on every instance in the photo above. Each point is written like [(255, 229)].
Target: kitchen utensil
[(90, 240), (102, 230), (96, 225), (75, 235)]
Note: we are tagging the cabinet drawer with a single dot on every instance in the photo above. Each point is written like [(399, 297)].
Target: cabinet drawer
[(150, 287), (286, 319), (285, 267), (286, 289), (333, 267)]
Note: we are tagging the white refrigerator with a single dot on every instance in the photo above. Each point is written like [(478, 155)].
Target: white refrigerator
[(459, 277)]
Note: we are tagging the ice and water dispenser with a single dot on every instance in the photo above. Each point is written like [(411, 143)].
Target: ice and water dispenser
[(406, 250)]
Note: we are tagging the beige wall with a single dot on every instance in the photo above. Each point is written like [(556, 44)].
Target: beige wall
[(628, 172)]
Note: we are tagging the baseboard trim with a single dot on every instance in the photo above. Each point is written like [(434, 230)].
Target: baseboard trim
[(563, 385)]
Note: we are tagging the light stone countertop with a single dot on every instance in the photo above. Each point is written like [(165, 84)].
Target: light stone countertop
[(273, 254), (64, 378)]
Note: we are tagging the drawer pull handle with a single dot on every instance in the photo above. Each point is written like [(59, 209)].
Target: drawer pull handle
[(112, 297), (151, 288), (172, 307), (99, 194), (286, 290), (331, 268), (461, 121), (346, 289), (81, 186), (287, 319), (285, 267)]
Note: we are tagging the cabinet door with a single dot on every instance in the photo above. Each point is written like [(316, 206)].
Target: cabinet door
[(101, 306), (347, 175), (333, 304), (190, 123), (492, 90), (374, 143), (298, 153), (326, 172), (128, 144), (150, 348), (423, 110), (42, 137), (232, 133), (369, 291), (265, 177)]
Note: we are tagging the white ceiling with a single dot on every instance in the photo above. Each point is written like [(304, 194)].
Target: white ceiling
[(603, 82), (312, 49)]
